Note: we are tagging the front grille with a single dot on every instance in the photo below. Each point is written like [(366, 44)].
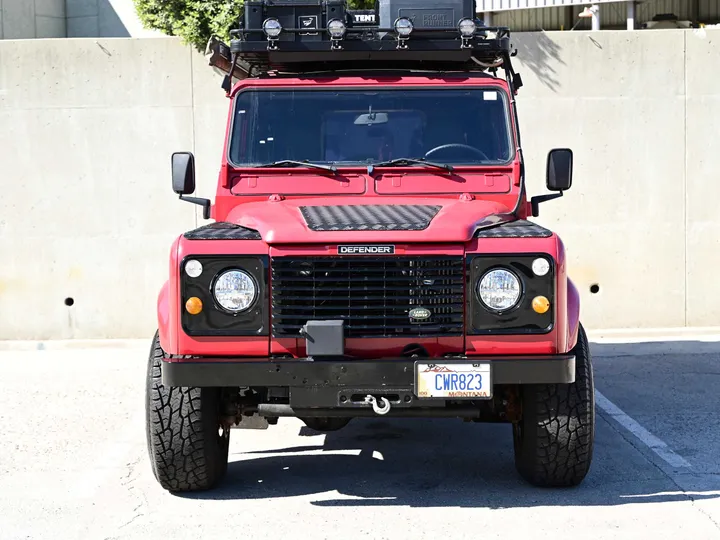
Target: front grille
[(373, 295)]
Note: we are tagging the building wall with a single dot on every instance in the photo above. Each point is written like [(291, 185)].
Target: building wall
[(87, 128), (27, 19), (612, 15)]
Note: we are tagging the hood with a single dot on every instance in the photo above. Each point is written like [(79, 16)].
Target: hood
[(360, 219)]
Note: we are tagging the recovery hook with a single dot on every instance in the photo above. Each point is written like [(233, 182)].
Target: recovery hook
[(371, 400)]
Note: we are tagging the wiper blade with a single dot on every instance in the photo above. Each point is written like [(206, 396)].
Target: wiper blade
[(292, 163), (410, 161)]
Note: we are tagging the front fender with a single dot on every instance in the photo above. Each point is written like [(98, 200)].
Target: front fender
[(573, 314)]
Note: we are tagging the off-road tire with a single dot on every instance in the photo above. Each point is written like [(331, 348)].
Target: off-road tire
[(554, 439), (188, 451)]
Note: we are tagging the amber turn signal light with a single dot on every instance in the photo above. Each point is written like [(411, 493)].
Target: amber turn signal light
[(540, 304), (194, 305)]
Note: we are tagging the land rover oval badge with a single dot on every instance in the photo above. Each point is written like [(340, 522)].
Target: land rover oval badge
[(419, 313)]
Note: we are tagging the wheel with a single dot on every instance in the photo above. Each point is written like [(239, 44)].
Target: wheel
[(187, 446), (554, 439), (326, 424)]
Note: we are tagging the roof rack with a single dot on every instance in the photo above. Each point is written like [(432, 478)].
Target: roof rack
[(347, 40)]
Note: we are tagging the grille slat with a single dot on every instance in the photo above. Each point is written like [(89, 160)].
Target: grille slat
[(373, 295)]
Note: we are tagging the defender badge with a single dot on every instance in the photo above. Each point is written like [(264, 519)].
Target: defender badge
[(366, 250), (419, 313)]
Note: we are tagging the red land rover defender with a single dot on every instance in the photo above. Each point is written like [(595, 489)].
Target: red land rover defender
[(370, 253)]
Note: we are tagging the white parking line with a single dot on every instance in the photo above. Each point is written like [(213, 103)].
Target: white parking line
[(647, 438)]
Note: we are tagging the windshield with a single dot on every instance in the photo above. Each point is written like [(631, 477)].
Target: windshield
[(362, 126)]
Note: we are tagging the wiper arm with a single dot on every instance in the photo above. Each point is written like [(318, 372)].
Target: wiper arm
[(410, 161), (292, 163)]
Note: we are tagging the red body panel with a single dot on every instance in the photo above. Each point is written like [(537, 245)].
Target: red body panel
[(249, 197)]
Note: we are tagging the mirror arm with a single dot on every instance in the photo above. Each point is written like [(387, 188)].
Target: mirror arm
[(535, 201), (205, 203)]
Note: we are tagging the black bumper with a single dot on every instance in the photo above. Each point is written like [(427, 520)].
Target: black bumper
[(389, 373)]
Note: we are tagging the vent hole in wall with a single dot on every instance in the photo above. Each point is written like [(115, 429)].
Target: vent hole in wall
[(69, 301), (594, 288)]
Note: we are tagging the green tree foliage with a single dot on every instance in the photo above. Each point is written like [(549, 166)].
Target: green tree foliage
[(195, 21)]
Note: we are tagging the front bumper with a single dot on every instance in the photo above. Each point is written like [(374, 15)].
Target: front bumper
[(353, 373)]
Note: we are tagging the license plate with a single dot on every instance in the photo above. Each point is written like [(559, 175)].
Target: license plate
[(453, 380)]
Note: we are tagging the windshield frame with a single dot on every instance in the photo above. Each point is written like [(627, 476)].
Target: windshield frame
[(381, 86)]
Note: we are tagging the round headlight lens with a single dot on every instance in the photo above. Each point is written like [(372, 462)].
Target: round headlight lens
[(403, 27), (467, 28), (193, 268), (336, 28), (499, 289), (272, 28), (540, 267), (235, 290)]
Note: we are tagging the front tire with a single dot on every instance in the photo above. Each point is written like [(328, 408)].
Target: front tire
[(187, 446), (554, 439)]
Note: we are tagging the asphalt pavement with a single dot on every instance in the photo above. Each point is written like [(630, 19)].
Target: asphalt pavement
[(73, 462)]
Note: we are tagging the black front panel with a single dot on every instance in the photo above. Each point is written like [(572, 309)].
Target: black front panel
[(520, 319), (374, 296), (213, 320), (370, 217)]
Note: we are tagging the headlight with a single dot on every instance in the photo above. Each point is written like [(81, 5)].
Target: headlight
[(272, 28), (499, 289), (235, 290)]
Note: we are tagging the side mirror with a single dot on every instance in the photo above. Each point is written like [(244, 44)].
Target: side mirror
[(183, 180), (183, 173), (559, 177), (559, 169)]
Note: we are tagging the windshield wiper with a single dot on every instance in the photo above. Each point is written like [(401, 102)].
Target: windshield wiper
[(410, 161), (292, 163)]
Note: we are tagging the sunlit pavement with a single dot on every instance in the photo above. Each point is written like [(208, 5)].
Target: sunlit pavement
[(73, 462)]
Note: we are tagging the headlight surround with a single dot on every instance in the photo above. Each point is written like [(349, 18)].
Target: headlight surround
[(235, 290), (499, 289)]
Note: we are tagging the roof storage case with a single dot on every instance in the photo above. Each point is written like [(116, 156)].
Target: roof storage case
[(310, 17), (427, 14)]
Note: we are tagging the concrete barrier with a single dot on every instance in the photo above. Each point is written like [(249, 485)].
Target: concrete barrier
[(87, 128)]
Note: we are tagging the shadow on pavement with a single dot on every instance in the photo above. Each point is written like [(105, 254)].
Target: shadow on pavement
[(449, 463)]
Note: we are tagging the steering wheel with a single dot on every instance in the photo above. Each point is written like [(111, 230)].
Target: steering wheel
[(472, 149)]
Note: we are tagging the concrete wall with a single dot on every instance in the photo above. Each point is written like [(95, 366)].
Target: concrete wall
[(26, 19), (87, 128)]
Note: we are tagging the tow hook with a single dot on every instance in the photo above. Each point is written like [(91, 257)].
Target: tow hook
[(374, 402)]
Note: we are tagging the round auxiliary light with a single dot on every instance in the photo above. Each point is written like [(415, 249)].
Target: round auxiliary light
[(467, 28), (193, 268), (404, 27), (540, 267), (499, 289), (272, 28), (235, 290), (336, 29)]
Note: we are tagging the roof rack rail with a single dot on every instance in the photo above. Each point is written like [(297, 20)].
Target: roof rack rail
[(309, 36)]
